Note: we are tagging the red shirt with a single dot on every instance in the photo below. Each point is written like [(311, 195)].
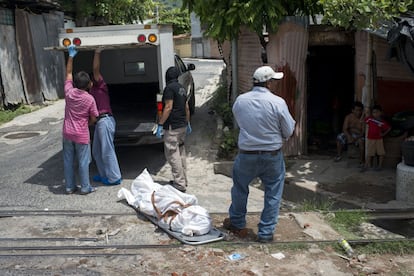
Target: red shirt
[(376, 127), (80, 105), (99, 91)]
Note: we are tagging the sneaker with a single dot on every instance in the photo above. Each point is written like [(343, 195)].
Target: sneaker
[(177, 186), (72, 191), (241, 233), (97, 178), (338, 158), (105, 181), (264, 240), (91, 190)]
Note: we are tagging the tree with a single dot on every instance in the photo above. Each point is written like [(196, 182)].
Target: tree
[(178, 18), (360, 14), (223, 18), (111, 11)]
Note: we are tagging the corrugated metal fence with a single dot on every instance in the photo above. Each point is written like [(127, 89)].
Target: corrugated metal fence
[(29, 74)]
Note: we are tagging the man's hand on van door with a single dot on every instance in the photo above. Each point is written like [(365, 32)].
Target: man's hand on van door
[(99, 49), (160, 131), (72, 51)]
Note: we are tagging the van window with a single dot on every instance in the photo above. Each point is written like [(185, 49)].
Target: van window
[(180, 65), (134, 68)]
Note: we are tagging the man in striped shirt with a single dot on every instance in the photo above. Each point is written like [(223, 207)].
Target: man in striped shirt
[(80, 111)]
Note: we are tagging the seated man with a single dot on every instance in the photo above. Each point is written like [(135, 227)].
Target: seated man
[(353, 132)]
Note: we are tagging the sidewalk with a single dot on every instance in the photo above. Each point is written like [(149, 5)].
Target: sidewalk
[(318, 177)]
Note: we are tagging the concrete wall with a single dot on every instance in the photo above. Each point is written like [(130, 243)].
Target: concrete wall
[(182, 46)]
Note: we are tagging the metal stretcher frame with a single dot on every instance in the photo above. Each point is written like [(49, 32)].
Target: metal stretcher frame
[(212, 236)]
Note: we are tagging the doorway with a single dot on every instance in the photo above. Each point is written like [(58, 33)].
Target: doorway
[(330, 93)]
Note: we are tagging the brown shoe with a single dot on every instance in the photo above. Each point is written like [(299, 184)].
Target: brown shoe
[(241, 233), (177, 186)]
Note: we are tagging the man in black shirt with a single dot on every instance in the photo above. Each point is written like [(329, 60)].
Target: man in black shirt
[(175, 123)]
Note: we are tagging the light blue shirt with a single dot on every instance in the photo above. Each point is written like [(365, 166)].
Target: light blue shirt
[(264, 120)]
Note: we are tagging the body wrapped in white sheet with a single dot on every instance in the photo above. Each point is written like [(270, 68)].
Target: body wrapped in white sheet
[(175, 210)]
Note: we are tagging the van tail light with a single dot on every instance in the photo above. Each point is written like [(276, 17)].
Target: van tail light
[(77, 41), (66, 42), (152, 38), (159, 109), (142, 38)]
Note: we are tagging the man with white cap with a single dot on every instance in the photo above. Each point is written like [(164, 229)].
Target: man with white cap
[(265, 123)]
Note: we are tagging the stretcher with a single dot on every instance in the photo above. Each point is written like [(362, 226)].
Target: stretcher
[(212, 236)]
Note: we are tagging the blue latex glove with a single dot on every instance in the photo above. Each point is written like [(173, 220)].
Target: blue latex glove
[(189, 129), (160, 131), (72, 51)]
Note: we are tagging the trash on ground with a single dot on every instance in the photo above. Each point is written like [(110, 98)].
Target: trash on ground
[(345, 245), (235, 257), (278, 256)]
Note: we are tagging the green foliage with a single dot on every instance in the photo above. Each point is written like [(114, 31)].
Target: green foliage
[(228, 146), (114, 11), (178, 18), (361, 14), (220, 104), (124, 11), (223, 18), (11, 112)]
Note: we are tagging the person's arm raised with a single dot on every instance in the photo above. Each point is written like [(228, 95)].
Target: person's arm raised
[(69, 65), (97, 63)]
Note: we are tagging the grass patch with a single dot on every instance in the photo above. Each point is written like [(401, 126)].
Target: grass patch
[(392, 247), (346, 223), (315, 205), (12, 112)]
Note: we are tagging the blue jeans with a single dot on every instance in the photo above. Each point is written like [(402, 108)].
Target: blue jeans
[(82, 154), (271, 170), (103, 149)]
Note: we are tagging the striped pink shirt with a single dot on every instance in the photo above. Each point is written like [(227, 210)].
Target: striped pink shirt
[(80, 105)]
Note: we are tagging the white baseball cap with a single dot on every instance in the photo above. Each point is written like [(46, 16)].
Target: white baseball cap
[(265, 73)]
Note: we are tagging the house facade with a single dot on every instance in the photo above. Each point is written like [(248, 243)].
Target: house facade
[(326, 69)]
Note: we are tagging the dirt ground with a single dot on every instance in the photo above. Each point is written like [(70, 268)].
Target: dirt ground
[(128, 244), (166, 256)]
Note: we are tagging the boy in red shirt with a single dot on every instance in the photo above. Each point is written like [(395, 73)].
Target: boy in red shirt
[(377, 129)]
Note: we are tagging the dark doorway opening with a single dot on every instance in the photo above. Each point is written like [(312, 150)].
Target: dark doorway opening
[(330, 93)]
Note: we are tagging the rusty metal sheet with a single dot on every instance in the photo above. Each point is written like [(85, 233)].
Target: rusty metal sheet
[(48, 64), (9, 67), (1, 93), (53, 22), (30, 78), (287, 50)]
